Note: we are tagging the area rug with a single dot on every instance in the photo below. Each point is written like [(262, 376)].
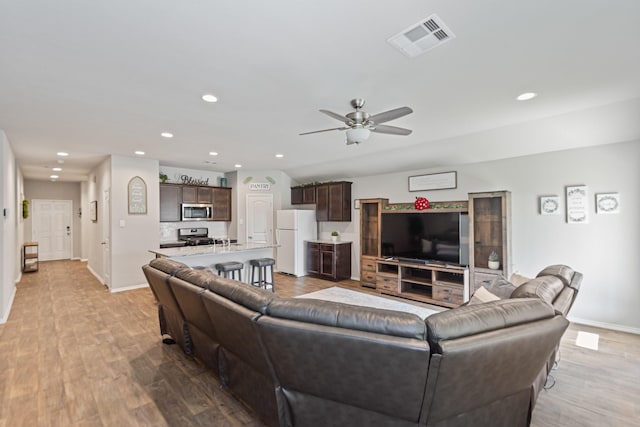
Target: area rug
[(347, 296)]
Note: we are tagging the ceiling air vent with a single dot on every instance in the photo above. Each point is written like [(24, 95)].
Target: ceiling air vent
[(421, 37)]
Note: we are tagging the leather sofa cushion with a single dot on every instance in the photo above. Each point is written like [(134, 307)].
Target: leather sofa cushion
[(252, 297), (547, 288), (167, 265), (200, 278), (564, 301), (348, 316), (475, 319), (501, 287), (562, 272)]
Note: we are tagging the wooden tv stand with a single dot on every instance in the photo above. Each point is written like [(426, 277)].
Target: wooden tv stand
[(434, 283)]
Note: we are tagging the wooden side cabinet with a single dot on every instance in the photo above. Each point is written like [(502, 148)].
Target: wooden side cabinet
[(30, 257), (331, 261), (370, 220), (489, 231)]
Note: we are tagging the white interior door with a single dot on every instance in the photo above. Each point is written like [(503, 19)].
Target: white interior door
[(51, 228), (259, 218), (106, 237)]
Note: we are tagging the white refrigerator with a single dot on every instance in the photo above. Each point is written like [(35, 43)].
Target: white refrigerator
[(293, 228)]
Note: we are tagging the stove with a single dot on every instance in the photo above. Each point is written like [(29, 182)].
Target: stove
[(195, 236)]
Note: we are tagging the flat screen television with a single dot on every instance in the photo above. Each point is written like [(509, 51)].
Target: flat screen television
[(434, 236)]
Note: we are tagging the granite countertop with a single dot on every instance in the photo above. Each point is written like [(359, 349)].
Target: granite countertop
[(328, 241), (210, 249)]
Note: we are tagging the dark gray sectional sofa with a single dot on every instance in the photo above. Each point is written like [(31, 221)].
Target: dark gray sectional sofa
[(303, 362)]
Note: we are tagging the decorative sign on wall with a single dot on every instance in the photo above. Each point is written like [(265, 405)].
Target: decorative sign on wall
[(433, 181), (549, 205), (137, 191), (259, 186), (608, 203), (93, 211), (577, 204)]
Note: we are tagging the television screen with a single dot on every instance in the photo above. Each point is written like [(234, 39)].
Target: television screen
[(434, 236)]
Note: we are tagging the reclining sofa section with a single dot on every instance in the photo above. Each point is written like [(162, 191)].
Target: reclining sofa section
[(303, 362)]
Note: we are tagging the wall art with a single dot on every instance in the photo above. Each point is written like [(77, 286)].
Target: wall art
[(137, 191), (549, 205), (577, 204), (608, 203)]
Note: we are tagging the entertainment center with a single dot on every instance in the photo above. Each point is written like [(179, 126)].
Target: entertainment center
[(437, 255)]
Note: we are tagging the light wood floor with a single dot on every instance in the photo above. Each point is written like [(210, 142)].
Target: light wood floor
[(73, 354)]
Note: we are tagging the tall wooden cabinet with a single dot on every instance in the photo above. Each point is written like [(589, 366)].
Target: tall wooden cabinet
[(489, 231), (370, 220)]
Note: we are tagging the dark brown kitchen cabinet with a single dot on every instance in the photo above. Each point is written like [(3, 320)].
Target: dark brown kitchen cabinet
[(194, 194), (297, 194), (331, 261), (333, 201), (170, 199), (221, 199)]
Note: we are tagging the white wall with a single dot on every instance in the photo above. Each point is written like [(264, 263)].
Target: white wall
[(11, 215), (132, 235), (48, 190), (93, 232), (606, 250)]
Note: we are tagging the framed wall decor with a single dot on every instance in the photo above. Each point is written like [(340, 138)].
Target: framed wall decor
[(433, 181), (608, 203), (137, 194), (577, 204), (549, 205), (93, 211)]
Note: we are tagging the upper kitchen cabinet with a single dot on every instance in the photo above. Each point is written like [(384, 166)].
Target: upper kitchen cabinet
[(333, 201), (303, 195), (297, 195), (194, 194), (170, 199), (221, 199)]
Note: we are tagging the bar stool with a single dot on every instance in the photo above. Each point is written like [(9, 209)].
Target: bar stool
[(262, 264), (230, 267)]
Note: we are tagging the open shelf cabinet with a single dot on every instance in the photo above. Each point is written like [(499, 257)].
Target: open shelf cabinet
[(29, 257)]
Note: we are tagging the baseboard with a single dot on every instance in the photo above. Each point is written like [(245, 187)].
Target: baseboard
[(13, 295), (604, 325), (129, 288), (96, 275), (84, 260)]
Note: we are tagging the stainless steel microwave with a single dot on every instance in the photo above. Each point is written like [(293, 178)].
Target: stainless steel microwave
[(197, 212)]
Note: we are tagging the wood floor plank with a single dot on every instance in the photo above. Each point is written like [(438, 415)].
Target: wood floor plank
[(74, 354)]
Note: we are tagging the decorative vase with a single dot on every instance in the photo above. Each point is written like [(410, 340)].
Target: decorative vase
[(494, 265)]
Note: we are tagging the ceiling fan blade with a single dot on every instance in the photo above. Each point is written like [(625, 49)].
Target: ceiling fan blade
[(336, 116), (390, 115), (391, 130), (323, 130)]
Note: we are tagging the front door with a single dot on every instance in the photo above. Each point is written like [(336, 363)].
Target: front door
[(259, 218), (51, 228)]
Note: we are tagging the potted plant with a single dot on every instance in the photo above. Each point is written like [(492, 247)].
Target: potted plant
[(494, 261), (334, 236), (163, 177)]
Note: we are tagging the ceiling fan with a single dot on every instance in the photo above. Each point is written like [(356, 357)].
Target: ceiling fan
[(359, 123)]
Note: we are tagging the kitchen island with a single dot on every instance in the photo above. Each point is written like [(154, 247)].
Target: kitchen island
[(209, 255)]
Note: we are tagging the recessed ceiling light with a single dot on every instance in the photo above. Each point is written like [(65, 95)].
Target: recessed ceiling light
[(237, 165), (526, 96), (166, 135), (54, 177), (213, 153), (56, 169), (62, 154), (209, 98), (279, 156), (140, 153)]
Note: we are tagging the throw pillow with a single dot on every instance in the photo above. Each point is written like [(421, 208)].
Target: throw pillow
[(518, 279), (481, 296), (501, 287)]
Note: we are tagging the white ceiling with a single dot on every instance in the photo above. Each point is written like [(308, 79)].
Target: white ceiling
[(106, 77)]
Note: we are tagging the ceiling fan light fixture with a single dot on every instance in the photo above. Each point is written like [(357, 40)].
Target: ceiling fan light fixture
[(357, 135)]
